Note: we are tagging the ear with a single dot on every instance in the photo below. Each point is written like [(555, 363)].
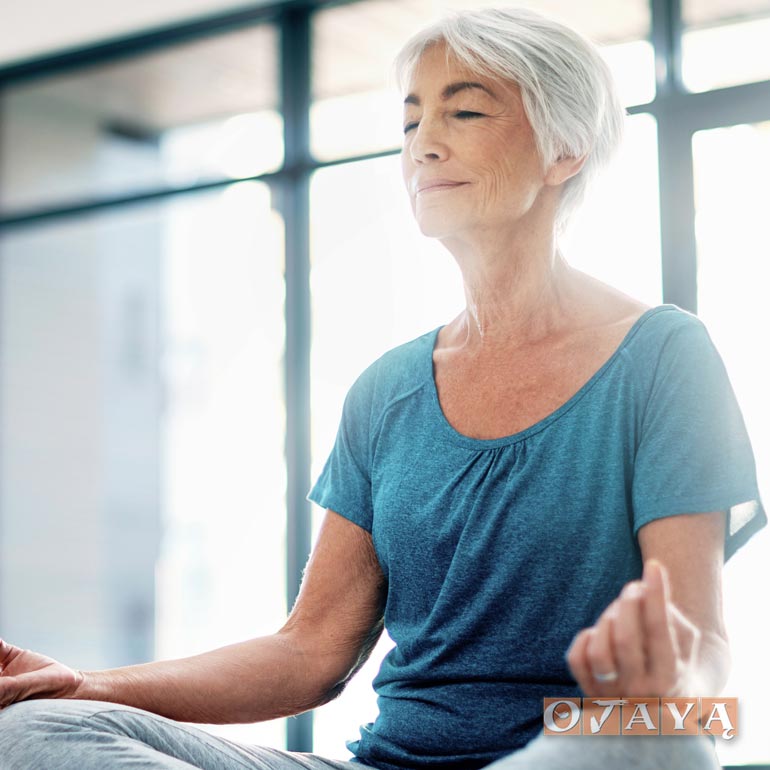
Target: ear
[(563, 169)]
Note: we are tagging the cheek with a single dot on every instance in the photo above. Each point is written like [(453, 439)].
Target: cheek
[(507, 163), (513, 174), (504, 179)]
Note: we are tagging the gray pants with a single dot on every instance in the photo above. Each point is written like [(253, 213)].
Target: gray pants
[(50, 734)]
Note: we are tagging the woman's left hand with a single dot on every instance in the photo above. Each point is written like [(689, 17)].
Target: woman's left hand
[(641, 645)]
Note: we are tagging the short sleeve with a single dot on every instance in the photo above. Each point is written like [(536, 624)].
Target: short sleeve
[(694, 453), (345, 483)]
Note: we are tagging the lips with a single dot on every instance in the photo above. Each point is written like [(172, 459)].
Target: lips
[(439, 184)]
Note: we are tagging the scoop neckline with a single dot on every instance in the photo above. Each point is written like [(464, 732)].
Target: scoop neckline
[(491, 443)]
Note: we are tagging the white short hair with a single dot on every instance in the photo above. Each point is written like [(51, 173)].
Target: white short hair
[(568, 92)]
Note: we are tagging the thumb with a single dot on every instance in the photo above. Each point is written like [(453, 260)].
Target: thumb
[(656, 576), (6, 653)]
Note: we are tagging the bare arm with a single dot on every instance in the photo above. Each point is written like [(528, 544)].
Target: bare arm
[(664, 635), (692, 550), (335, 623)]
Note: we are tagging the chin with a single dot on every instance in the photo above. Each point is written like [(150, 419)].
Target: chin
[(432, 226)]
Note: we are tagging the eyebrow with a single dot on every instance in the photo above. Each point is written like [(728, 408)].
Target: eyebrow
[(451, 90)]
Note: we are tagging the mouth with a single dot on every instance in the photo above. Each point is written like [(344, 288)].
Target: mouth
[(440, 187)]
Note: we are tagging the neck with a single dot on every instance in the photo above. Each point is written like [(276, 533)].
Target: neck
[(514, 296)]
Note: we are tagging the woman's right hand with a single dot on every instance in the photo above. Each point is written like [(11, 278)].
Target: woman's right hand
[(25, 674)]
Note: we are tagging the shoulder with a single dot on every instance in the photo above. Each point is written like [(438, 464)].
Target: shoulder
[(666, 329), (675, 361), (668, 351)]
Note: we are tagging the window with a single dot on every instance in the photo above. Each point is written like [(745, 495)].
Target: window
[(733, 275), (142, 465), (221, 571), (623, 200), (724, 44), (142, 471), (143, 123)]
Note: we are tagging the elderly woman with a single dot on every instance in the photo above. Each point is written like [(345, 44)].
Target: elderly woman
[(536, 498)]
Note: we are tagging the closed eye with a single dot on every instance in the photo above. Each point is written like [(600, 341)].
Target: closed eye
[(462, 114)]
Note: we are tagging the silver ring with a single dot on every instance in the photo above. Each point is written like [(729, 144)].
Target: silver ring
[(610, 676)]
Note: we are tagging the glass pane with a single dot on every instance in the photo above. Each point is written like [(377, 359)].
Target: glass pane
[(376, 282), (356, 109), (615, 235), (142, 477), (731, 169), (725, 44), (701, 13), (191, 113)]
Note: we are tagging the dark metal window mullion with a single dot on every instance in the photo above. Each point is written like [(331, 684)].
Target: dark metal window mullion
[(294, 202), (675, 165)]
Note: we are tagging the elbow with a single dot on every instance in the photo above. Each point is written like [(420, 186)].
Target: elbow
[(337, 685), (327, 662), (317, 675), (333, 692), (332, 686)]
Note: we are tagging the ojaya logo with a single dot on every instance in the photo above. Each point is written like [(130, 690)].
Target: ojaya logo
[(641, 716)]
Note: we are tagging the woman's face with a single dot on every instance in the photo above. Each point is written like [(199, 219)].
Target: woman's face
[(479, 138)]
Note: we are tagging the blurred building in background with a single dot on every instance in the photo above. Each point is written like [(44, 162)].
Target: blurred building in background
[(204, 239)]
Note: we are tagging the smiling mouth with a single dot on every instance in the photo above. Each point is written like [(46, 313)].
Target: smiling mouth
[(438, 187)]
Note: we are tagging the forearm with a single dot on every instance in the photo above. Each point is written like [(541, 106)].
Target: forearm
[(251, 681)]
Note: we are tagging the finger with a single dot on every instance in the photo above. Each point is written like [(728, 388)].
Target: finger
[(601, 658), (628, 636), (9, 691), (578, 660), (24, 686), (662, 648)]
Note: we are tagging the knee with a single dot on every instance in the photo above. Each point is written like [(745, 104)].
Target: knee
[(26, 720), (23, 725), (37, 714), (27, 715)]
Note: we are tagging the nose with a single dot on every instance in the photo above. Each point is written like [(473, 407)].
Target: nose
[(428, 140)]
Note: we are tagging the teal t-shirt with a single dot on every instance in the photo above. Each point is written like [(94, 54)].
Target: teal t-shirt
[(498, 551)]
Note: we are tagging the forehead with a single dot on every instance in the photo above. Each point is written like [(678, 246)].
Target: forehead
[(438, 73)]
